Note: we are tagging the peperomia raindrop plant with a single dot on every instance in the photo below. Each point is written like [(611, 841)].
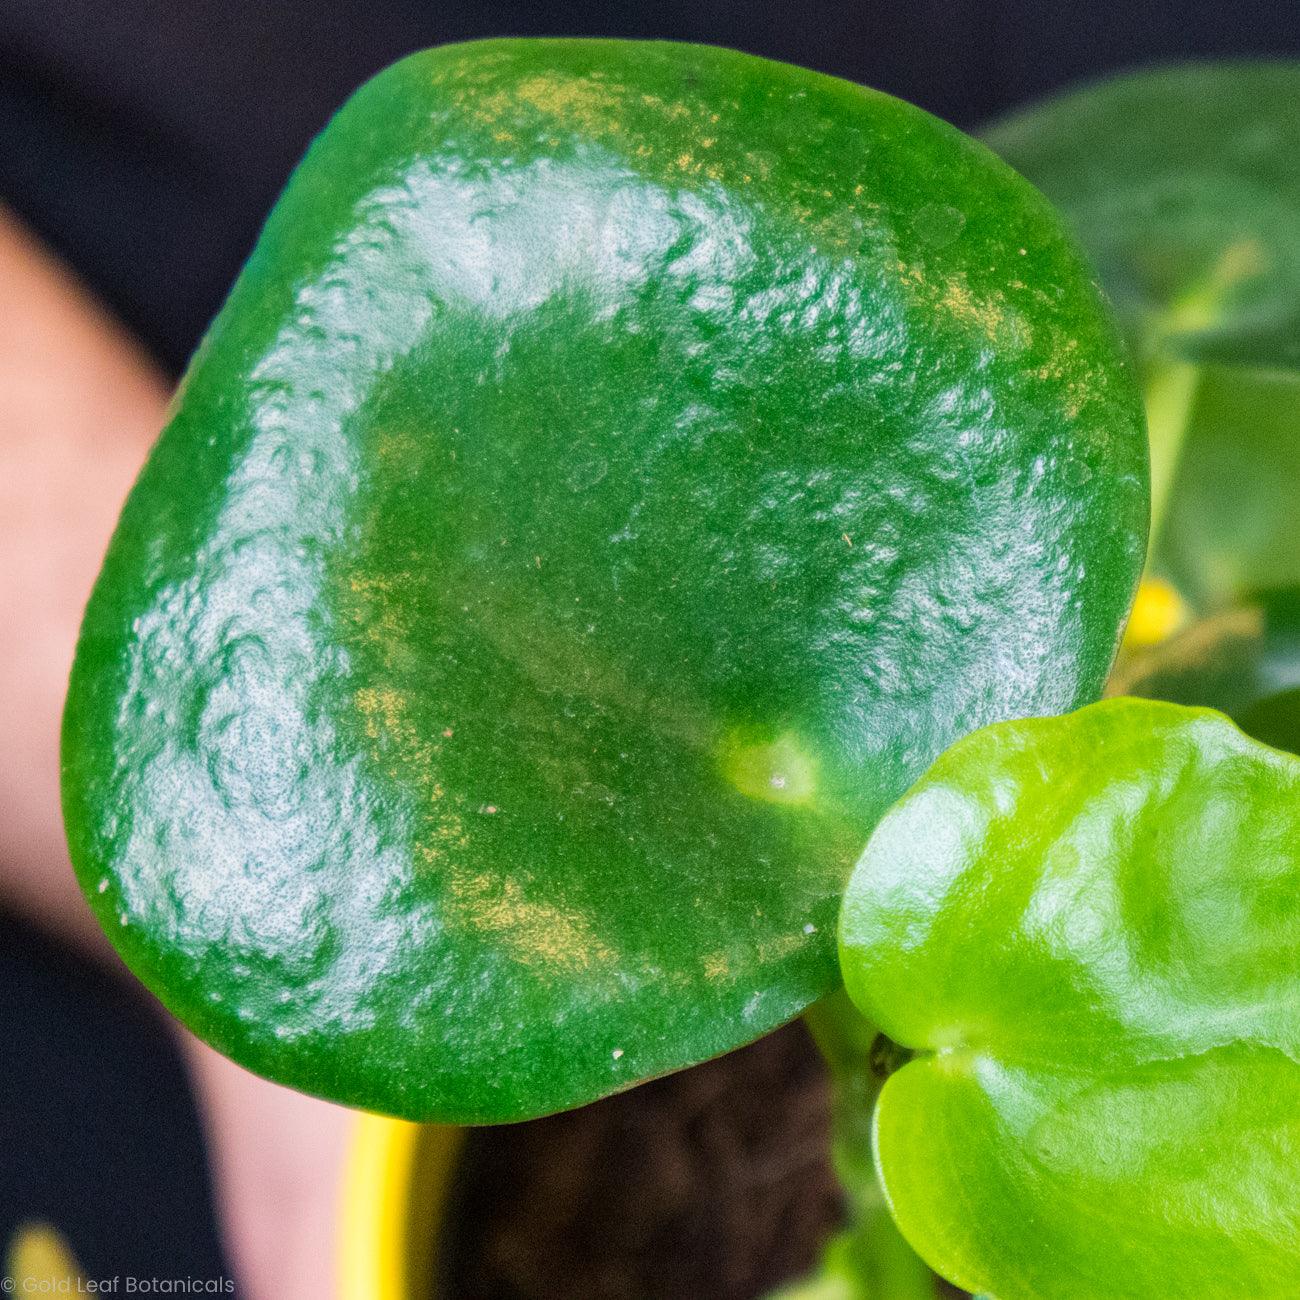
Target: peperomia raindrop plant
[(619, 474)]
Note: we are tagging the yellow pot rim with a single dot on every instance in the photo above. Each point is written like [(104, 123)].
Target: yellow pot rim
[(395, 1188)]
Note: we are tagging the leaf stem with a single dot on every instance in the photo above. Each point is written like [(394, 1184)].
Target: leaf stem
[(1170, 397), (1172, 382), (868, 1260)]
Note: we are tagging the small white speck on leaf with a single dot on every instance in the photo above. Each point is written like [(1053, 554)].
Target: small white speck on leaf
[(617, 1052)]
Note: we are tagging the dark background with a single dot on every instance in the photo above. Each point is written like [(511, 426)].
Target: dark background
[(145, 141)]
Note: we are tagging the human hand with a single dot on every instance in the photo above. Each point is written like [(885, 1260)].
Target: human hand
[(277, 1157), (79, 406)]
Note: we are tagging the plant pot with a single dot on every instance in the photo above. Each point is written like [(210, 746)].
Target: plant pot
[(395, 1189), (715, 1181)]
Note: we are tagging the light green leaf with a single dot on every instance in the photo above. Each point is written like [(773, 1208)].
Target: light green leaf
[(1088, 930)]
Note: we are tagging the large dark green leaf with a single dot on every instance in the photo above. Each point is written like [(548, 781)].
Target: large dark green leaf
[(618, 472), (1184, 185), (1087, 929)]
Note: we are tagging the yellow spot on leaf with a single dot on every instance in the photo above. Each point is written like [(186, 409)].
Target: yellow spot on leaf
[(984, 313), (584, 103), (533, 933)]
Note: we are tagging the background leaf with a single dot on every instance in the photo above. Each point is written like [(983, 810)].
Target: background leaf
[(1183, 184), (1243, 661), (1088, 929)]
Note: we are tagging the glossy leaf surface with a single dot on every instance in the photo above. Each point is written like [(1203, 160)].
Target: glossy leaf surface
[(1243, 661), (618, 472), (1184, 185), (1088, 930)]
